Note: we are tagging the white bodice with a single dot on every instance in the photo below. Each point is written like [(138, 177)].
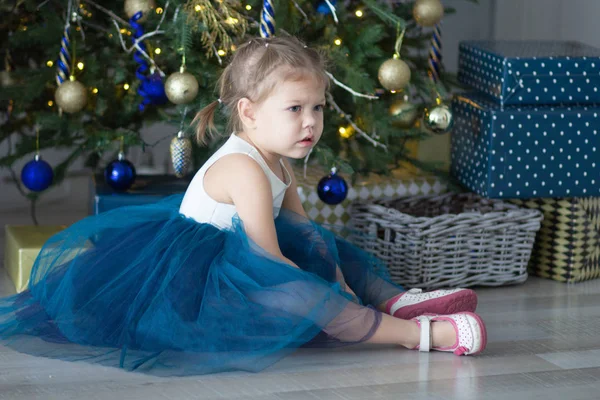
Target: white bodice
[(198, 205)]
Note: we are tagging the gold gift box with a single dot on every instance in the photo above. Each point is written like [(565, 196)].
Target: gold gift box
[(22, 246)]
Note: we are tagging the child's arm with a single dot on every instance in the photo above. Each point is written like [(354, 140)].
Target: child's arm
[(250, 191), (291, 201)]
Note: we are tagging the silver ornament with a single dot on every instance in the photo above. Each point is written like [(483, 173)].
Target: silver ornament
[(71, 96), (181, 154), (439, 119), (428, 13), (394, 74), (181, 87), (133, 6)]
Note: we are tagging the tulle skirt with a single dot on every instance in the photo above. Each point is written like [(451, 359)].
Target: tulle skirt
[(144, 288)]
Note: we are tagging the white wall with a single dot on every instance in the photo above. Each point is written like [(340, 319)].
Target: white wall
[(548, 20)]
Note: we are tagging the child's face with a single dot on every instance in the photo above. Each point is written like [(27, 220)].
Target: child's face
[(289, 122)]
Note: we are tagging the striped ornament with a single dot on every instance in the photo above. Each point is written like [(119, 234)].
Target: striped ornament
[(63, 68), (435, 54), (267, 19), (181, 154)]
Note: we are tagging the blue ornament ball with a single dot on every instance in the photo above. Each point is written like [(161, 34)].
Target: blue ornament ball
[(323, 8), (120, 174), (37, 175), (154, 87), (332, 189)]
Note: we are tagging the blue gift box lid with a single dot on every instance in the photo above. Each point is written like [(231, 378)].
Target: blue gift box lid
[(146, 189), (532, 72)]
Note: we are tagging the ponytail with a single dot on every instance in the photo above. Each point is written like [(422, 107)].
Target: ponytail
[(205, 120)]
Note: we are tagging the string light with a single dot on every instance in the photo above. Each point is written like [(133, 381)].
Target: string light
[(95, 90), (358, 13), (49, 63), (80, 65), (50, 103), (157, 50), (221, 52), (248, 7), (198, 8), (126, 86), (338, 41), (345, 132), (159, 10)]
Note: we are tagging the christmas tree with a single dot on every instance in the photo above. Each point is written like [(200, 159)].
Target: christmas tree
[(86, 76)]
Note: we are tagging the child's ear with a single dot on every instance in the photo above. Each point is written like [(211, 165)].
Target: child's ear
[(246, 112)]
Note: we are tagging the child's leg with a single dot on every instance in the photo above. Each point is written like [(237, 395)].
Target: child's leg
[(354, 323), (369, 279)]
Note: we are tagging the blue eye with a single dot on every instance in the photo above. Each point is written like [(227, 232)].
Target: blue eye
[(295, 108), (319, 107)]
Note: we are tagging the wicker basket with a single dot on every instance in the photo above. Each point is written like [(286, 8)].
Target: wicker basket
[(567, 248), (449, 240)]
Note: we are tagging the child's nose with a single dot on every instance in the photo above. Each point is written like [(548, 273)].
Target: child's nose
[(309, 119)]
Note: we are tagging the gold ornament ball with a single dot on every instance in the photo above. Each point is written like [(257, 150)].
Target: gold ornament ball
[(439, 119), (428, 13), (133, 6), (394, 74), (181, 87), (404, 113), (71, 96)]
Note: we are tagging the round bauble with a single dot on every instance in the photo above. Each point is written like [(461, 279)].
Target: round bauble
[(37, 175), (181, 87), (428, 13), (404, 114), (133, 6), (120, 174), (332, 189), (71, 96), (394, 74), (439, 119)]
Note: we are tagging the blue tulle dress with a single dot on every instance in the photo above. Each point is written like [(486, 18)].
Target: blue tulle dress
[(146, 288)]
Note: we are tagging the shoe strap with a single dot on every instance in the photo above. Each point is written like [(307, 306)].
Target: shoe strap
[(425, 340)]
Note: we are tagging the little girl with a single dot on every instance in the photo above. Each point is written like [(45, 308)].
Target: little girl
[(234, 275)]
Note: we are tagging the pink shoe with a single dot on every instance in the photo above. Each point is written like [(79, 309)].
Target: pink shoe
[(471, 336), (410, 304)]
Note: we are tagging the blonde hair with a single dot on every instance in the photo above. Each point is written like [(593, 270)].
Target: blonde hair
[(249, 75)]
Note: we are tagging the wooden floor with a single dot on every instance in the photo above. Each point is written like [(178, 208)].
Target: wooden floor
[(544, 343)]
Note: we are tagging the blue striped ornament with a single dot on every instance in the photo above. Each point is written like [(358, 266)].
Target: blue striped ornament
[(267, 19), (63, 69), (181, 154), (435, 54)]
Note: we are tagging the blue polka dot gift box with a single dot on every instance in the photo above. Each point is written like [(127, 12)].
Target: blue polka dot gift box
[(525, 151), (531, 72)]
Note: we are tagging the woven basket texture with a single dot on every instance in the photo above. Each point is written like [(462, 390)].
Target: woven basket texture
[(448, 240)]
